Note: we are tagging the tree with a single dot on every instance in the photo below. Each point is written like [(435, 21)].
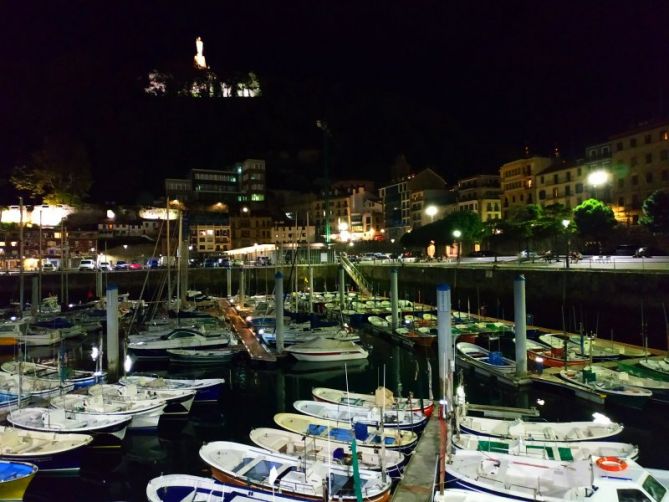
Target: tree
[(656, 212), (441, 231), (59, 173), (594, 219)]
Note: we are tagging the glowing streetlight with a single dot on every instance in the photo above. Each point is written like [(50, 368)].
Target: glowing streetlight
[(565, 224), (431, 211), (457, 234), (598, 178)]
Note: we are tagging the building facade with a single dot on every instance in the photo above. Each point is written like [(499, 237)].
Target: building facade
[(639, 167), (562, 183), (517, 180), (482, 195)]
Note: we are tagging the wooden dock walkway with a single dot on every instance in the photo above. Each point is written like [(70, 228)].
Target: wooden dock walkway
[(256, 351), (417, 483)]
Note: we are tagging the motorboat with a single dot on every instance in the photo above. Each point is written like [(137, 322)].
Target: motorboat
[(613, 388), (178, 401), (553, 357), (381, 397), (252, 467), (203, 357), (80, 378), (564, 451), (395, 439), (47, 450), (391, 418), (42, 388), (595, 430), (12, 332), (318, 449), (60, 421), (145, 414), (15, 478), (658, 365), (207, 389), (178, 338), (324, 349), (599, 479), (491, 360)]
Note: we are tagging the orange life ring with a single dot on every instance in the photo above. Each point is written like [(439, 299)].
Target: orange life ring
[(611, 464)]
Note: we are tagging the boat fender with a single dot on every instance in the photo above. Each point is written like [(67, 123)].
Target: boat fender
[(613, 464)]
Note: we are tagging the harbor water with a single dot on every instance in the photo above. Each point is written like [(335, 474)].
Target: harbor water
[(253, 394)]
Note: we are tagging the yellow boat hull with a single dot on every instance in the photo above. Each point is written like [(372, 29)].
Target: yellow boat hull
[(16, 488)]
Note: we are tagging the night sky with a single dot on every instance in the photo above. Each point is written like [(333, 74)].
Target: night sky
[(460, 87)]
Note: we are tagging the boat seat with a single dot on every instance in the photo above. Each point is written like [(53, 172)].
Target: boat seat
[(279, 445)]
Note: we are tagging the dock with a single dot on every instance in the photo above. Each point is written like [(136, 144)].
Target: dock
[(417, 483), (256, 351)]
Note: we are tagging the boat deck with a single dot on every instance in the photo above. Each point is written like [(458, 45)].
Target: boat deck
[(256, 351)]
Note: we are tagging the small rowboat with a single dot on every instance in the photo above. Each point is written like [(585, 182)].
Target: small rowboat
[(207, 389), (615, 390), (481, 357), (370, 400), (396, 419), (15, 478)]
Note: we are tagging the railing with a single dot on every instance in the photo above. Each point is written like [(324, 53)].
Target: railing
[(355, 274)]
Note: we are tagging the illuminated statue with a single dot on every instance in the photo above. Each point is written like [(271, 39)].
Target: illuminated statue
[(199, 60)]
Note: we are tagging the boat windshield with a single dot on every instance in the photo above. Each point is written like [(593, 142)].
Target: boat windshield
[(654, 488)]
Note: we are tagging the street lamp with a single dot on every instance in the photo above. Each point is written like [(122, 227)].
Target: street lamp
[(431, 211), (598, 178), (565, 224), (457, 234)]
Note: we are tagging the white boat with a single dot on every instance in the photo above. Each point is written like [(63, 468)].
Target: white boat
[(204, 356), (261, 469), (12, 332), (42, 388), (322, 450), (566, 451), (377, 321), (307, 334), (479, 356), (600, 479), (179, 402), (80, 378), (461, 495), (397, 419), (382, 397), (48, 451), (613, 388), (395, 439), (187, 488), (178, 338), (595, 430), (658, 365), (207, 389), (145, 414), (42, 338), (60, 421), (326, 350)]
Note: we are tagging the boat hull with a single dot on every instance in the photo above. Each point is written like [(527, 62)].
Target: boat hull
[(67, 461)]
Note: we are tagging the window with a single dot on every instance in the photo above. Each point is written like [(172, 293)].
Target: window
[(665, 175), (555, 193), (567, 190), (631, 495), (568, 175), (635, 201), (649, 177), (649, 158), (578, 171), (664, 135), (579, 188), (542, 194), (663, 155), (621, 182), (633, 142), (633, 161), (635, 180), (555, 178), (646, 139), (619, 146)]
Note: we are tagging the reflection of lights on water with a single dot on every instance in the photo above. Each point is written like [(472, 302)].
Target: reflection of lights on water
[(127, 364), (95, 353)]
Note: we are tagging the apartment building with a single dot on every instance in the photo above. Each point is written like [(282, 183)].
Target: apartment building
[(517, 180), (482, 195)]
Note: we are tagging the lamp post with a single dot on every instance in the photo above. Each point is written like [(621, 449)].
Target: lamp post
[(457, 234), (431, 211), (598, 178), (565, 224)]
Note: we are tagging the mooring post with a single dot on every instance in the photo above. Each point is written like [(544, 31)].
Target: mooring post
[(520, 320), (278, 310)]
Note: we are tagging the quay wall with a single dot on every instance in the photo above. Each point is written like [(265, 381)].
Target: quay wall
[(601, 301)]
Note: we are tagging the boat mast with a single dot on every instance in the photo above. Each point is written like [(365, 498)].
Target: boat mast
[(21, 251), (167, 249)]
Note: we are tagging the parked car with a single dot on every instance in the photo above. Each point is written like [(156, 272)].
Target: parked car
[(152, 263), (86, 265), (48, 267), (528, 254), (121, 265), (626, 249), (211, 263), (135, 266), (105, 265)]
